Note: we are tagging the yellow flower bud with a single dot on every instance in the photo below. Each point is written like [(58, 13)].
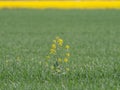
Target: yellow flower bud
[(52, 51), (65, 60), (67, 46), (53, 46), (60, 42)]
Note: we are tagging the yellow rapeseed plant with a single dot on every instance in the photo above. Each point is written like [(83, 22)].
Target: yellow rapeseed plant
[(70, 4), (58, 56)]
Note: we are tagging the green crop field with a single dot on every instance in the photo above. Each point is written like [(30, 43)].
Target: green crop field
[(26, 37)]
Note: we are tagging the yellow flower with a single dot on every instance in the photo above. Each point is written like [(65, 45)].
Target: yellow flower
[(65, 60), (67, 46), (52, 51), (59, 60), (67, 54), (60, 42), (67, 69), (53, 46)]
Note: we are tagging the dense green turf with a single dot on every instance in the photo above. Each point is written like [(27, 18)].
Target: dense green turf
[(94, 37)]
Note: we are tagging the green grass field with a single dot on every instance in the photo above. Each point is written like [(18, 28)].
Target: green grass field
[(93, 36)]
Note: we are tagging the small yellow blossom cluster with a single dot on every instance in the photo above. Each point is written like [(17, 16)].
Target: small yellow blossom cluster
[(57, 42), (58, 56)]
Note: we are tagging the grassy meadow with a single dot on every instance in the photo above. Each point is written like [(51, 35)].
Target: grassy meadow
[(26, 36)]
